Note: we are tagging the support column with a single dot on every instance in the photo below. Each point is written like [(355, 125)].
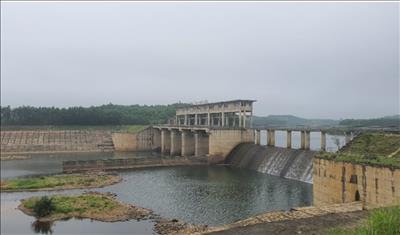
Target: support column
[(244, 119), (240, 119), (208, 119), (186, 120), (196, 122), (302, 139), (187, 143), (257, 137), (307, 140), (223, 119), (175, 143), (201, 144), (271, 137), (323, 141), (165, 141), (288, 139)]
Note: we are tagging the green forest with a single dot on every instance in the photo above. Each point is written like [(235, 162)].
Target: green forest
[(388, 121), (109, 114)]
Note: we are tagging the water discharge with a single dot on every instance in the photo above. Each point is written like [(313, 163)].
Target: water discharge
[(288, 163)]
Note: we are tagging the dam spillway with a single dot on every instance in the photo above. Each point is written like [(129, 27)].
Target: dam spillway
[(288, 163)]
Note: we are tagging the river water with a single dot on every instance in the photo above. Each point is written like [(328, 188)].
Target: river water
[(212, 195)]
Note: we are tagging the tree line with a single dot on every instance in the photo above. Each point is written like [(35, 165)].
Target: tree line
[(109, 114), (392, 121)]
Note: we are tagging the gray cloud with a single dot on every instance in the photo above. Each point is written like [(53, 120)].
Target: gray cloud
[(328, 60)]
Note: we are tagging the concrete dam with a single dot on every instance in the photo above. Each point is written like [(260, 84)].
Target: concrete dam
[(288, 163)]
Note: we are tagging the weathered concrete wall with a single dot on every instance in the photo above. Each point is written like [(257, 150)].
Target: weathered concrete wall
[(141, 141), (339, 182), (221, 142), (53, 141)]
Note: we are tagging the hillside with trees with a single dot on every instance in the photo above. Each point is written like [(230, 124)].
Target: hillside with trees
[(109, 114), (388, 121), (290, 121)]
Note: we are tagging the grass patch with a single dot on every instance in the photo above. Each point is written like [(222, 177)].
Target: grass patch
[(374, 144), (62, 204), (93, 205), (384, 221), (58, 182), (384, 161), (370, 149)]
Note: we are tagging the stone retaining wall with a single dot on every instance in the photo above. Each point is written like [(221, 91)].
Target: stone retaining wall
[(340, 182)]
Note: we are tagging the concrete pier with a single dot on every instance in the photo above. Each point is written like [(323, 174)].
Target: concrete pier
[(201, 144), (288, 139), (165, 141), (176, 143), (271, 137), (302, 140), (188, 143), (307, 140), (323, 141), (257, 137)]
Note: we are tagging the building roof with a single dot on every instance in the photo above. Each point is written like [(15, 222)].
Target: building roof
[(220, 102)]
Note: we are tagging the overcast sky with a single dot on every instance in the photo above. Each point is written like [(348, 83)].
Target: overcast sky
[(322, 60)]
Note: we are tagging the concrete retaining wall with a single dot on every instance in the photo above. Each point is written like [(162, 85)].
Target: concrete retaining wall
[(222, 142), (141, 141), (53, 141), (339, 182)]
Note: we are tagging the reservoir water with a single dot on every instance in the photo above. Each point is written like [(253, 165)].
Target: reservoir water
[(212, 195)]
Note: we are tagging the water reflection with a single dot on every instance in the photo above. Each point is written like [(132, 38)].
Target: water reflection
[(211, 195), (43, 227)]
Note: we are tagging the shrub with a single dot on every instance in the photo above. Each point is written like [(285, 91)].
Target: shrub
[(384, 221), (43, 207)]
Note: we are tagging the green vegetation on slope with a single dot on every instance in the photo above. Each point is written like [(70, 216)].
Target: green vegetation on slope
[(371, 149), (374, 144), (96, 115), (362, 159), (58, 182), (384, 221)]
